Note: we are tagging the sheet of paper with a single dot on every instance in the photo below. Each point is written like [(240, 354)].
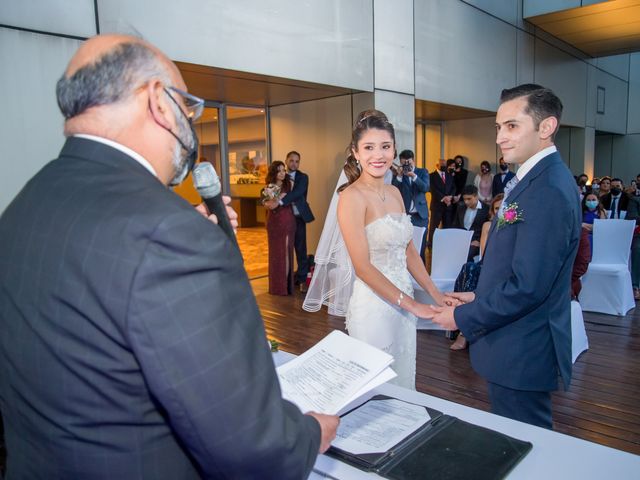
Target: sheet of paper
[(378, 425), (326, 377)]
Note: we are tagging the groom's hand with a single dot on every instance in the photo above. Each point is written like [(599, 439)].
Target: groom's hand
[(444, 317)]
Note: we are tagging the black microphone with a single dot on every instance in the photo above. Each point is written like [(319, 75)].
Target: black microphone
[(207, 183)]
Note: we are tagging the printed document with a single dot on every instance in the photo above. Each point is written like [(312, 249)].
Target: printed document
[(334, 372), (378, 425)]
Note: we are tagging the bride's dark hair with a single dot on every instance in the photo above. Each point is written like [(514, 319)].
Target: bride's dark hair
[(367, 120)]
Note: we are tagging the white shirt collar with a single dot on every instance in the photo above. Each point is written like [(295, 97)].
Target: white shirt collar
[(126, 150), (478, 206), (533, 161)]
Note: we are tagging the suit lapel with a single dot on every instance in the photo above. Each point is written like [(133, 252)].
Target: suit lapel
[(540, 167)]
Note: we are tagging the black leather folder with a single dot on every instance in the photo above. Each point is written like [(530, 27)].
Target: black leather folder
[(444, 448)]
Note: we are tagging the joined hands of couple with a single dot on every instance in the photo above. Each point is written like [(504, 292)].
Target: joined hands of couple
[(443, 315)]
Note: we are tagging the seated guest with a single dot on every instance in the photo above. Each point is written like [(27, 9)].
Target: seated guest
[(461, 342), (616, 201), (605, 186), (581, 263), (592, 209), (634, 214), (471, 215), (501, 179), (494, 208), (281, 230)]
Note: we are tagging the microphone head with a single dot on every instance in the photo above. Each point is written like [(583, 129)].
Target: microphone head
[(206, 180)]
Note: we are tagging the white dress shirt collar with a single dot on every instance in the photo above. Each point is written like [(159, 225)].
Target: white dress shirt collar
[(126, 150), (533, 161)]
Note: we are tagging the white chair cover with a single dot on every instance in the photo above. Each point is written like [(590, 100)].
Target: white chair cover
[(418, 234), (450, 252), (606, 287), (579, 340)]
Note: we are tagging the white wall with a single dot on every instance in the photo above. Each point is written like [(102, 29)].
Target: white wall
[(328, 42), (474, 138), (320, 130), (31, 124), (68, 17), (463, 56)]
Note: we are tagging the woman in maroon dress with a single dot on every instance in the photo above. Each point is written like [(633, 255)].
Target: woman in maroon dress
[(281, 228)]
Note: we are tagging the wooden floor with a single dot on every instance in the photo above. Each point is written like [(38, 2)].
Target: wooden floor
[(602, 405)]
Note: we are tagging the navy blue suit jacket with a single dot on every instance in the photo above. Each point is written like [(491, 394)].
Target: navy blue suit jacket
[(519, 325), (131, 345), (298, 195), (497, 186), (414, 190)]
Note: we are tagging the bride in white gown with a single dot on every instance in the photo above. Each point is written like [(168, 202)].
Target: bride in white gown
[(378, 233)]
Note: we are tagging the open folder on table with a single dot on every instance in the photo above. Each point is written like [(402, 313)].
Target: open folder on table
[(333, 373), (400, 440)]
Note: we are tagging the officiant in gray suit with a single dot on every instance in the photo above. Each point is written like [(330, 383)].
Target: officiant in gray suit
[(131, 345)]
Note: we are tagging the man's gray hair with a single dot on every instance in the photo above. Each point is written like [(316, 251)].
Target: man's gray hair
[(113, 78)]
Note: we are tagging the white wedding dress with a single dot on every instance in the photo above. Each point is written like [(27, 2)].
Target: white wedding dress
[(372, 319)]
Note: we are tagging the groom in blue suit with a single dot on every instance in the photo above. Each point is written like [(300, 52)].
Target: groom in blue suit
[(518, 322), (413, 184)]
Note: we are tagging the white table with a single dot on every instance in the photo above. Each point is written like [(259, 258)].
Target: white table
[(554, 455)]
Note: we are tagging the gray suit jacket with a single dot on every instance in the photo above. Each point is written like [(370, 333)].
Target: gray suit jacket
[(131, 343)]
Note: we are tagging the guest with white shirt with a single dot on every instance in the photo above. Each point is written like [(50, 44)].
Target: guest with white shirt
[(471, 215)]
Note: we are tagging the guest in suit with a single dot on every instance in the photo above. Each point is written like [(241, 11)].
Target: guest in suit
[(137, 350), (518, 321), (471, 215), (442, 191), (501, 179), (616, 201), (484, 182), (281, 230), (413, 184), (301, 210)]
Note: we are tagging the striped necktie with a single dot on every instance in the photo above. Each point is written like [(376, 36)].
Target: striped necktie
[(511, 184)]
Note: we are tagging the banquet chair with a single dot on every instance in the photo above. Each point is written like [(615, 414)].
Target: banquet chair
[(606, 286), (449, 253), (579, 340)]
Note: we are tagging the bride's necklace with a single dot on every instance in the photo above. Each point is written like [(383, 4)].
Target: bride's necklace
[(382, 195)]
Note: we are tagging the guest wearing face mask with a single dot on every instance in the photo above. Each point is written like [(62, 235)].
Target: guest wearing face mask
[(460, 174), (592, 209), (595, 186), (501, 178), (484, 182), (616, 202), (582, 185)]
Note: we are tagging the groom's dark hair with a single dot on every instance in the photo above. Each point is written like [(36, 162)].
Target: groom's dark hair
[(541, 102)]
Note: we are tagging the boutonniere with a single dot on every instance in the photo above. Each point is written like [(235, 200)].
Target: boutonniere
[(510, 214)]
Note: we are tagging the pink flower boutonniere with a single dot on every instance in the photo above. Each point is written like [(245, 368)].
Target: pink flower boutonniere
[(510, 215)]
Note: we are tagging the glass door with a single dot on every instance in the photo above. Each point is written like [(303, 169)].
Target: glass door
[(207, 128)]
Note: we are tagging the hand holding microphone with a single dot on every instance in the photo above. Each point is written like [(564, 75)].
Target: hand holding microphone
[(207, 183)]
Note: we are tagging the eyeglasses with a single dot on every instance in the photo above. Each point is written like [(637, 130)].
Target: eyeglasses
[(193, 104)]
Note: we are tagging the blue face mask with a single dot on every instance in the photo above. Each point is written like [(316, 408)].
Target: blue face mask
[(591, 204)]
